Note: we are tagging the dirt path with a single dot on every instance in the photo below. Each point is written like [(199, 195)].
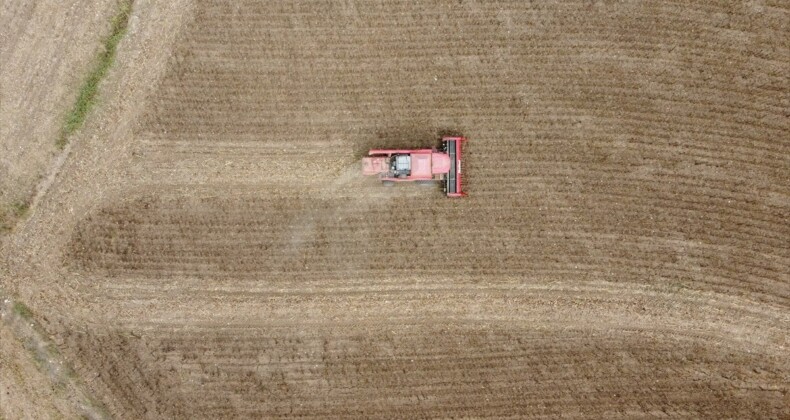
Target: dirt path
[(49, 360), (32, 106), (46, 53)]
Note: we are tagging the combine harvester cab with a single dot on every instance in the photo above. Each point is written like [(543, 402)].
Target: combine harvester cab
[(424, 166)]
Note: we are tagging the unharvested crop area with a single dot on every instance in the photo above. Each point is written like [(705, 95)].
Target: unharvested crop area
[(624, 250)]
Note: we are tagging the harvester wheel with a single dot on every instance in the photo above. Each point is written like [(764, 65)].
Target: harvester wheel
[(388, 183)]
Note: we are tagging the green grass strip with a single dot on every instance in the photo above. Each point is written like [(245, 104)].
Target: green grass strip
[(22, 310), (89, 89), (11, 213)]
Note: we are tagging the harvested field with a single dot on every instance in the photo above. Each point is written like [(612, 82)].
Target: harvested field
[(624, 250), (44, 48)]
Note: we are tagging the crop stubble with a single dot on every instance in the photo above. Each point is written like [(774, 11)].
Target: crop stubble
[(634, 146)]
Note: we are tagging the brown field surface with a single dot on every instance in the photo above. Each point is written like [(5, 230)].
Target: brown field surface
[(209, 248)]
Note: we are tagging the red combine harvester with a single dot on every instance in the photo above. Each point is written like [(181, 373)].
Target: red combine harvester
[(424, 166)]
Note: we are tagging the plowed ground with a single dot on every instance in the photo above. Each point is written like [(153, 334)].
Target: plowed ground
[(624, 250)]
